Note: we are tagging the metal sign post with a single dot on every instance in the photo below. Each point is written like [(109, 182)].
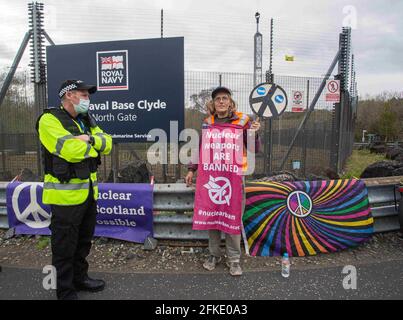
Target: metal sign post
[(268, 101)]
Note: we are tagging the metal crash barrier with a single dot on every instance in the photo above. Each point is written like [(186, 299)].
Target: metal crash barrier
[(173, 208)]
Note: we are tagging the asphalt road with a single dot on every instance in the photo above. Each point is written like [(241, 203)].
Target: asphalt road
[(374, 281)]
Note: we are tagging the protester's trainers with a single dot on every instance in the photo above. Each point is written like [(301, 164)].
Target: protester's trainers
[(234, 268), (211, 263)]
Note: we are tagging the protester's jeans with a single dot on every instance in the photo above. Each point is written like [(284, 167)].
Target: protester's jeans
[(232, 245), (232, 241)]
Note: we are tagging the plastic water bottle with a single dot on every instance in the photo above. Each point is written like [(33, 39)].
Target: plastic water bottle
[(285, 266)]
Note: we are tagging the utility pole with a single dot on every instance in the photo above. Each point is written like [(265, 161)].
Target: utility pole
[(341, 108), (162, 23), (38, 65), (268, 125), (257, 67)]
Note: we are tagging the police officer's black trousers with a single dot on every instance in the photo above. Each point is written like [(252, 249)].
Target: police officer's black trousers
[(72, 231)]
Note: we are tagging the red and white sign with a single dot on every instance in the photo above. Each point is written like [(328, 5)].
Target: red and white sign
[(332, 91), (297, 100), (297, 109)]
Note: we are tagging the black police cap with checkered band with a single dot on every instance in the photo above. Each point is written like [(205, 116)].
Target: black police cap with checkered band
[(70, 85)]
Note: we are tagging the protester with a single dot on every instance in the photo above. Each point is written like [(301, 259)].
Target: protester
[(222, 109)]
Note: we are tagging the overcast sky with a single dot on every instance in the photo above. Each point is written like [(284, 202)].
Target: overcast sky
[(219, 34)]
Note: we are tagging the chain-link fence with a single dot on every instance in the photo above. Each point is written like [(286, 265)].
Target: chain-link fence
[(312, 148), (324, 143)]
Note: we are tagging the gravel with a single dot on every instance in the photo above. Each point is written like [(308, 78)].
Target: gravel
[(185, 256)]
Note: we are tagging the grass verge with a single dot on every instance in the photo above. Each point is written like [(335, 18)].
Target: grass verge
[(358, 161)]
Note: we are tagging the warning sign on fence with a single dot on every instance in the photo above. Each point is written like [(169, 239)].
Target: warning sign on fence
[(297, 100), (332, 91)]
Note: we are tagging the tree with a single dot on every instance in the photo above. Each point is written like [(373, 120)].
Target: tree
[(197, 111), (17, 106), (373, 117), (387, 125), (199, 100)]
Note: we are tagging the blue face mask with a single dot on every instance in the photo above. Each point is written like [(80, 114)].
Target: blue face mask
[(82, 106)]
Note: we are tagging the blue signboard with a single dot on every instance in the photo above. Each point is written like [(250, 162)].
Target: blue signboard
[(140, 83)]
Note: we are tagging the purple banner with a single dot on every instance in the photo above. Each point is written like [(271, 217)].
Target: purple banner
[(125, 211)]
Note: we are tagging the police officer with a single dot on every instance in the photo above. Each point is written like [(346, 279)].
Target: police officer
[(72, 144)]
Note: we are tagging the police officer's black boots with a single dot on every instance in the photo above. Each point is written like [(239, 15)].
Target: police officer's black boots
[(92, 285)]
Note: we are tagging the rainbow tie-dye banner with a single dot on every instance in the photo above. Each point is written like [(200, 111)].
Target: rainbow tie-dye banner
[(306, 217)]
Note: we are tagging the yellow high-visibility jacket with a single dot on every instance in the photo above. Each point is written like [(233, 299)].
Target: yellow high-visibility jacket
[(57, 131)]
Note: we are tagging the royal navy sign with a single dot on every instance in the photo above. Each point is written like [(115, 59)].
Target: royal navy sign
[(112, 70), (140, 83)]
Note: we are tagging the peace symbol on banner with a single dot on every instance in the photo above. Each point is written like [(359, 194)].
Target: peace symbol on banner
[(34, 216), (268, 100), (299, 204)]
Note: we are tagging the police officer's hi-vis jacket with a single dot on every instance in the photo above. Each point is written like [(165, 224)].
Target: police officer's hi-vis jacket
[(70, 164)]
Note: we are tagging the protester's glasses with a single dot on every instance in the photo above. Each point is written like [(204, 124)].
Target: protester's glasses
[(224, 98)]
